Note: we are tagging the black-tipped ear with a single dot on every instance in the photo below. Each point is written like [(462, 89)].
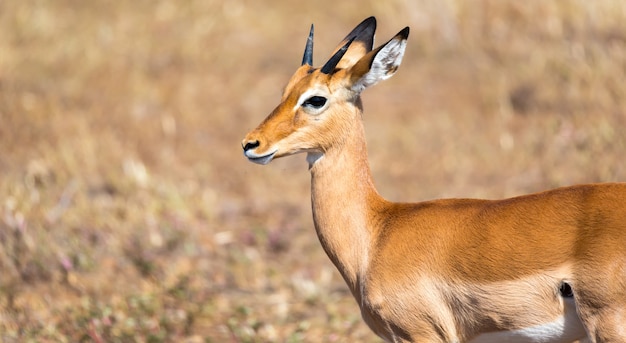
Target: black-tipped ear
[(308, 50), (362, 37), (404, 33), (363, 33), (379, 64)]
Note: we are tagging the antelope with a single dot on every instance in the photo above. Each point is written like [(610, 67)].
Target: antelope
[(544, 267)]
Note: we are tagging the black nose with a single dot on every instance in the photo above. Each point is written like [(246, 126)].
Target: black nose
[(251, 145)]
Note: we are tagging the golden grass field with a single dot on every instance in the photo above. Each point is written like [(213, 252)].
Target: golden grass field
[(129, 214)]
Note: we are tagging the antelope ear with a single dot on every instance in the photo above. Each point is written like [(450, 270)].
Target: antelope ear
[(362, 37), (379, 64)]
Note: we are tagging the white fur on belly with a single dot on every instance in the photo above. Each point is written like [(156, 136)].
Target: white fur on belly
[(565, 329)]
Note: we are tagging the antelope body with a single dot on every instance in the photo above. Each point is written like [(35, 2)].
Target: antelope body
[(545, 267)]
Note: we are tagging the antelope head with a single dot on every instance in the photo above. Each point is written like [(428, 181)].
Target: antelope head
[(319, 105)]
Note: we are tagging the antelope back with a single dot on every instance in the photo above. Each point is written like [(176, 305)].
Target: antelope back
[(319, 104)]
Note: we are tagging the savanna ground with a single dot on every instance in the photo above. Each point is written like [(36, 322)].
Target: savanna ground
[(128, 213)]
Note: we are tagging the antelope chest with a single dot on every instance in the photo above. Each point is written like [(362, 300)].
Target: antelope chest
[(498, 312)]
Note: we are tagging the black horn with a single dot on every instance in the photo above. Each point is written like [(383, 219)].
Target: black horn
[(334, 60), (308, 50)]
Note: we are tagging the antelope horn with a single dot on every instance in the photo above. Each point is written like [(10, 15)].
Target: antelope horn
[(332, 62), (308, 50)]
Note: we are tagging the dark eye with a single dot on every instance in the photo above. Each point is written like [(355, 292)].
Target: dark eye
[(315, 102)]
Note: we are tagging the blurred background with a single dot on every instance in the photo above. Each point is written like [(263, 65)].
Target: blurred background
[(129, 214)]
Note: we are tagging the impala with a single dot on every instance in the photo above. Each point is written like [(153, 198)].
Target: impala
[(545, 267)]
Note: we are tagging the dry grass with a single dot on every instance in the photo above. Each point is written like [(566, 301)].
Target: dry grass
[(128, 213)]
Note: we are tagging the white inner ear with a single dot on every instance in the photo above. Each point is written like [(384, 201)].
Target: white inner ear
[(384, 65)]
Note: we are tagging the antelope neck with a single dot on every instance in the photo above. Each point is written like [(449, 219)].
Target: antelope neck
[(344, 199)]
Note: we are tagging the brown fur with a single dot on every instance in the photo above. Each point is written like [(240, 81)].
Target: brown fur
[(449, 270)]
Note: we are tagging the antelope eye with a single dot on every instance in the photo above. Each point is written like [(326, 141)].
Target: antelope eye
[(315, 102)]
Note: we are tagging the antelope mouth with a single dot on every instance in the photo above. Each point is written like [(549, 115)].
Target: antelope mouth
[(260, 159)]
